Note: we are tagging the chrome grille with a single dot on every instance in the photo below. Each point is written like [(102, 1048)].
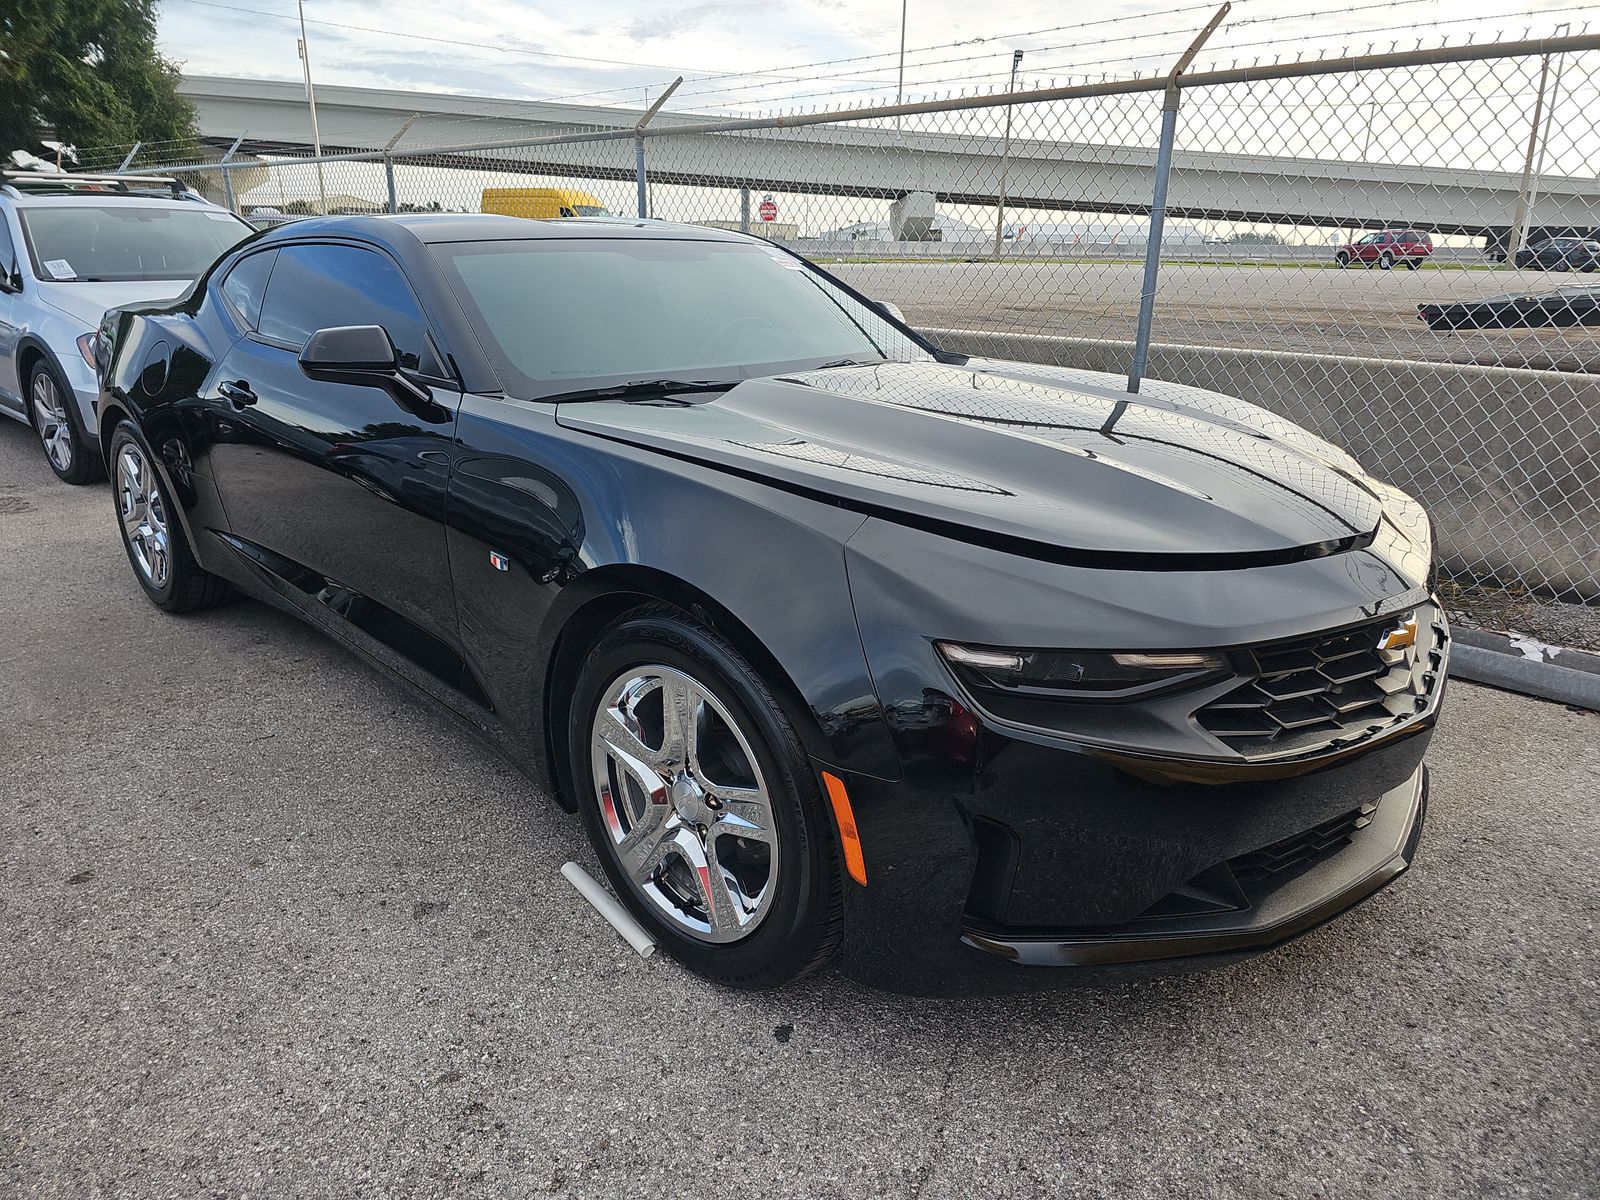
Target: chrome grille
[(1330, 690)]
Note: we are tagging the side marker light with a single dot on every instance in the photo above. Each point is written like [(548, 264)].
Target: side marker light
[(849, 839)]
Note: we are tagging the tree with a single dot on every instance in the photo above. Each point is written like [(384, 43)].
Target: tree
[(86, 72)]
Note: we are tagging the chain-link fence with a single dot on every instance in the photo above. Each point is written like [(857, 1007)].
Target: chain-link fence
[(1401, 252)]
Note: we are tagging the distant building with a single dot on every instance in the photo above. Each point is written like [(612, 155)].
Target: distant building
[(773, 231)]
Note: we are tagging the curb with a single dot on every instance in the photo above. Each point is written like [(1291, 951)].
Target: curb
[(1522, 665)]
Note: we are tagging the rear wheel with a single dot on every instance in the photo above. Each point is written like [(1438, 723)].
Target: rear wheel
[(702, 805), (1413, 263), (50, 404), (157, 548)]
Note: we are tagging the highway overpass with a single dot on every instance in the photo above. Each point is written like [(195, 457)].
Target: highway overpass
[(869, 160)]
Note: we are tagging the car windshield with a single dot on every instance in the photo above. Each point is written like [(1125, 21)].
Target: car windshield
[(558, 315), (101, 242)]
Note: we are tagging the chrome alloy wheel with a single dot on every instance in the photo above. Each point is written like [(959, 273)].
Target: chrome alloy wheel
[(683, 800), (144, 516), (50, 411)]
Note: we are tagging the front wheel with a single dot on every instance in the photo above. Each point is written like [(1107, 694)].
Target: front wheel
[(1386, 262), (1341, 260), (50, 404), (157, 548), (702, 805)]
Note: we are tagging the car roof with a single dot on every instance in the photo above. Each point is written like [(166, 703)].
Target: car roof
[(101, 200), (486, 227)]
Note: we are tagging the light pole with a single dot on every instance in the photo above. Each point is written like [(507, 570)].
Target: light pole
[(900, 83), (311, 99), (1005, 158), (1544, 138)]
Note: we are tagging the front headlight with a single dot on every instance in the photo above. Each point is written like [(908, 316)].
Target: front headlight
[(1076, 674)]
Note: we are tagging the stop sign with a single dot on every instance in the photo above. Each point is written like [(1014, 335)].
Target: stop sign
[(768, 210)]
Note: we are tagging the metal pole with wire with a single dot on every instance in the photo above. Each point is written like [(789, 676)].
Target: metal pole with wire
[(642, 199), (900, 83), (311, 100), (1158, 203), (1549, 117), (1519, 223), (1005, 158)]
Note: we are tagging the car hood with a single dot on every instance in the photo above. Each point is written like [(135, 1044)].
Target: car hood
[(86, 303), (1004, 452)]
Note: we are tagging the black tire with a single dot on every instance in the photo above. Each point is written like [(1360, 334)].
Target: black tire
[(803, 920), (1386, 261), (61, 436), (184, 586), (1341, 260), (1413, 263)]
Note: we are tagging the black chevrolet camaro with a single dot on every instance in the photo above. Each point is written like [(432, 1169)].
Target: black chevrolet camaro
[(985, 676)]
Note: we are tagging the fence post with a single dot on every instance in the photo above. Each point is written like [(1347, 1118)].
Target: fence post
[(638, 146), (227, 175), (392, 206), (1158, 203), (393, 203), (744, 210)]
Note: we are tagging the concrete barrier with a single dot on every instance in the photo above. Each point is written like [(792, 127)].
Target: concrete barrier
[(1507, 461)]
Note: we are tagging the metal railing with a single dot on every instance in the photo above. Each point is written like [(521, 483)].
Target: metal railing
[(1329, 238)]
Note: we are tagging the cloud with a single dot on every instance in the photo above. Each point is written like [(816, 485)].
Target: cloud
[(670, 23)]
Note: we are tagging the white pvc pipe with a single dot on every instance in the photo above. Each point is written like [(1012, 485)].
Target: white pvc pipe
[(606, 905)]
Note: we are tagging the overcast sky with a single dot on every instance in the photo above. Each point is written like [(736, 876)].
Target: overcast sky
[(613, 51)]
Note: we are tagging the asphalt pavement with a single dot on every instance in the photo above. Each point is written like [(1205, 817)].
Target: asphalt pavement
[(1291, 307), (268, 927)]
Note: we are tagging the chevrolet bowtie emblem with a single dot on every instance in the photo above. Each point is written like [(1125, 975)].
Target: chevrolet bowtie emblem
[(1401, 636)]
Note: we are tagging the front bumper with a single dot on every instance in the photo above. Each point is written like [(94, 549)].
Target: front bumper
[(1377, 852)]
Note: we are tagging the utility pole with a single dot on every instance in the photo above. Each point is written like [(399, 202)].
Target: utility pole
[(1564, 29), (1005, 159), (311, 99), (900, 84), (1525, 197)]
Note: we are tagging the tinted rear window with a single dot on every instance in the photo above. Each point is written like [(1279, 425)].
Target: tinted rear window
[(246, 286)]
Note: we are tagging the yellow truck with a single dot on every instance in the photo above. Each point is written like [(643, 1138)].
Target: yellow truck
[(542, 203)]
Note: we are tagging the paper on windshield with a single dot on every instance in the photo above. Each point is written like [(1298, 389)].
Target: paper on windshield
[(60, 268)]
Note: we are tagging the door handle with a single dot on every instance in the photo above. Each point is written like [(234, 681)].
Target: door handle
[(237, 393)]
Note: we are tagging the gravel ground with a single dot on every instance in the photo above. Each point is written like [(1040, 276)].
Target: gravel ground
[(271, 928)]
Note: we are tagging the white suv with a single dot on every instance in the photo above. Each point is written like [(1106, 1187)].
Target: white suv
[(72, 246)]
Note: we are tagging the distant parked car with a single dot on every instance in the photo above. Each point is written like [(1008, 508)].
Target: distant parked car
[(1561, 254), (1387, 249), (72, 246)]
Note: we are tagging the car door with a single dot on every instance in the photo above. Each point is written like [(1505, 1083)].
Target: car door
[(339, 487), (11, 300)]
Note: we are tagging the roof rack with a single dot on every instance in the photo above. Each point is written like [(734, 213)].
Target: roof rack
[(65, 183)]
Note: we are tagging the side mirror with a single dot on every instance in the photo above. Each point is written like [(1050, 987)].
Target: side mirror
[(10, 279), (892, 311), (362, 354)]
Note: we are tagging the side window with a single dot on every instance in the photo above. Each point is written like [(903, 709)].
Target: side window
[(8, 253), (315, 287), (246, 286)]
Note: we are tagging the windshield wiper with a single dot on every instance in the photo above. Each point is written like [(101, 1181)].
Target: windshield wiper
[(643, 387), (846, 362)]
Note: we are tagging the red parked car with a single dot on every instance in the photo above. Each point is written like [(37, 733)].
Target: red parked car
[(1387, 249)]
